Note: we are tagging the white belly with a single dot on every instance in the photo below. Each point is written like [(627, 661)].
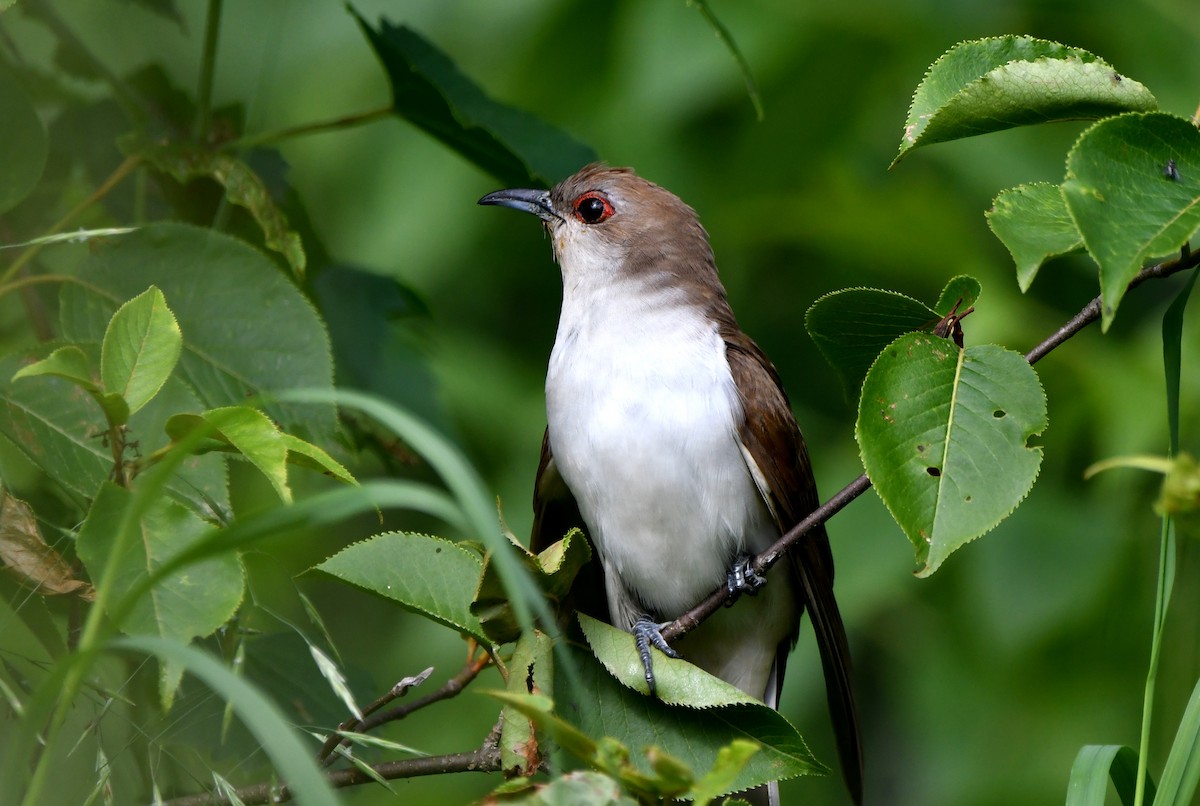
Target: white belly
[(643, 419)]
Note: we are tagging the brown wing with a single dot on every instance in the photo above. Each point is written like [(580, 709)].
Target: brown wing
[(776, 446), (554, 514)]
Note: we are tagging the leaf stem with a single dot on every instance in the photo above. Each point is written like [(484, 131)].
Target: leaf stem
[(727, 40), (316, 127), (212, 30), (1162, 598)]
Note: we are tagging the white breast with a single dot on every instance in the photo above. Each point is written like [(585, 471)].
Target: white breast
[(643, 417)]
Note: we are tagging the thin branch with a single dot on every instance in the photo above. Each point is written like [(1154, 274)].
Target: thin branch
[(1091, 311), (344, 122), (714, 601), (123, 170), (485, 759), (450, 689), (325, 754), (763, 562), (371, 719)]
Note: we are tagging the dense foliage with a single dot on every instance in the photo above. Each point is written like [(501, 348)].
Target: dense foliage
[(216, 223)]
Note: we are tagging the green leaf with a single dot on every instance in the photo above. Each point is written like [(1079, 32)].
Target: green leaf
[(986, 85), (201, 482), (553, 570), (1033, 223), (140, 349), (1094, 765), (944, 435), (309, 513), (677, 682), (731, 760), (373, 322), (853, 326), (54, 423), (243, 187), (1181, 773), (1133, 189), (68, 362), (429, 91), (246, 328), (539, 708), (960, 293), (578, 788), (291, 757), (188, 604), (60, 430), (532, 663), (71, 363), (430, 576), (248, 431), (607, 754), (602, 706), (310, 456), (23, 142), (475, 504)]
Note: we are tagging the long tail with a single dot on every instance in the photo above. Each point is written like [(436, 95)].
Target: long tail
[(814, 569)]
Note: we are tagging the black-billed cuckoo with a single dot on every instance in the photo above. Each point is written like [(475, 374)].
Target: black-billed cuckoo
[(670, 441)]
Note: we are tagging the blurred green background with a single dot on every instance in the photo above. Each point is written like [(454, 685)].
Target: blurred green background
[(977, 686)]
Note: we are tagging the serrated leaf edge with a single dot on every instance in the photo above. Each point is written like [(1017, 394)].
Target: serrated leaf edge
[(928, 570), (1107, 313), (1025, 283), (908, 141), (436, 617)]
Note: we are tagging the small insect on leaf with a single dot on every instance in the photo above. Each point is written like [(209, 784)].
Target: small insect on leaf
[(950, 325), (1171, 171)]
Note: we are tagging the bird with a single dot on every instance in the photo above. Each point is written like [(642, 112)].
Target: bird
[(671, 443)]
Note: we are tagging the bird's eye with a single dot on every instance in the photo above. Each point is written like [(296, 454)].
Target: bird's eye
[(592, 208)]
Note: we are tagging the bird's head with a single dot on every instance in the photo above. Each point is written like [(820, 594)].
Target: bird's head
[(610, 222)]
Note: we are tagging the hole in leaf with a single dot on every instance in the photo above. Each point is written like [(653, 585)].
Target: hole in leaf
[(998, 413), (933, 471)]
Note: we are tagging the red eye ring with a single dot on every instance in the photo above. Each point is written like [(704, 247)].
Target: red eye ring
[(593, 208)]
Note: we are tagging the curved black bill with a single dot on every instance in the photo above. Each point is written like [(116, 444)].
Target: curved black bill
[(526, 199)]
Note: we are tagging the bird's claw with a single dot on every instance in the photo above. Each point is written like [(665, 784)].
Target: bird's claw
[(743, 578), (646, 633)]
